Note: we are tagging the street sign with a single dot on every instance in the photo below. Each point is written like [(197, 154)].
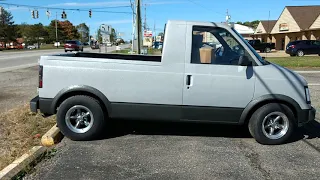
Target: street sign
[(105, 29), (147, 33)]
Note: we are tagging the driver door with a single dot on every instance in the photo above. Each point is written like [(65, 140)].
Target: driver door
[(218, 90)]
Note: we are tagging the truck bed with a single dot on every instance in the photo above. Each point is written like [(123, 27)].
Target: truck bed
[(115, 56)]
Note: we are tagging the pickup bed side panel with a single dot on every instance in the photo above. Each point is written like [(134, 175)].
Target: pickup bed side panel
[(124, 82)]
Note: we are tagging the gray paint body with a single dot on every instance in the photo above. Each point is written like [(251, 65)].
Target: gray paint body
[(164, 83)]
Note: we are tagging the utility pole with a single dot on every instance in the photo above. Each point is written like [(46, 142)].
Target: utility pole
[(138, 24), (145, 17), (154, 31), (228, 17), (133, 26), (57, 30)]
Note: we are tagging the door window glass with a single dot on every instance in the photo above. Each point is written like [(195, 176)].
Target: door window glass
[(213, 45), (317, 43)]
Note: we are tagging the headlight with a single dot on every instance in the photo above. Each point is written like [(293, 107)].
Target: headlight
[(308, 95)]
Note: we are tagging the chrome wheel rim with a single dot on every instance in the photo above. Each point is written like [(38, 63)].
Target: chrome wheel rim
[(275, 125), (300, 53), (268, 50), (79, 119)]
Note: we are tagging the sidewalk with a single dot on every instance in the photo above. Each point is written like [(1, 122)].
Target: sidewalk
[(278, 53)]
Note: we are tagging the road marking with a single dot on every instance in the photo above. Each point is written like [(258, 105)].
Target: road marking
[(17, 67), (314, 84), (306, 72)]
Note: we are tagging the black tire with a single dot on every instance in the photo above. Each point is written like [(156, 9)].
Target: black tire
[(257, 119), (65, 51), (94, 106), (267, 50), (300, 53)]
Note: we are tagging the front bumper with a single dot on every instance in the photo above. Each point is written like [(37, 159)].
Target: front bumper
[(306, 116)]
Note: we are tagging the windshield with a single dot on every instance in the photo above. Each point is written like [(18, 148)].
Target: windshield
[(71, 42), (264, 62)]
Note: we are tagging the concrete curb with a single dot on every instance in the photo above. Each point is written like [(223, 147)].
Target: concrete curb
[(50, 138), (19, 164)]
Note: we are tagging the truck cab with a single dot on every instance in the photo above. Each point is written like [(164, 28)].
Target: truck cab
[(207, 73)]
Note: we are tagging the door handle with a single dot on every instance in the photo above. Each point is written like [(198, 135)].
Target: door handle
[(188, 81)]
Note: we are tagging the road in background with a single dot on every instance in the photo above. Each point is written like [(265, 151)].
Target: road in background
[(17, 60), (18, 85)]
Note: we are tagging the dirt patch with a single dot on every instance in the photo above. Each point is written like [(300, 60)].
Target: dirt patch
[(19, 131)]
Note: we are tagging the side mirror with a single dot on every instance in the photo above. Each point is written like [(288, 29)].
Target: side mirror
[(244, 61)]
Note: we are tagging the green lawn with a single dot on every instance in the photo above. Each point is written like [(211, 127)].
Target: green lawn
[(296, 62)]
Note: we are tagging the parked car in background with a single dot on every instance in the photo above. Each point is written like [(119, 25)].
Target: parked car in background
[(86, 44), (109, 44), (31, 47), (73, 45), (157, 45), (303, 47), (262, 47)]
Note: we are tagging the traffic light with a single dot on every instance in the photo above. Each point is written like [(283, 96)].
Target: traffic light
[(37, 14), (33, 14), (90, 13), (64, 15)]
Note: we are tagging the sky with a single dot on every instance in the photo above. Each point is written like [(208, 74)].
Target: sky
[(158, 11)]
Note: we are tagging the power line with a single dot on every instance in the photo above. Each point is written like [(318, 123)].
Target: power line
[(68, 9), (204, 7)]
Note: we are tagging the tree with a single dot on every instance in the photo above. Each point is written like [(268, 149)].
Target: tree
[(35, 33), (51, 29), (69, 31), (8, 31), (113, 35), (253, 24), (99, 36), (83, 31)]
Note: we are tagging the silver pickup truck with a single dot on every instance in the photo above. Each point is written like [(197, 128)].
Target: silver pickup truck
[(207, 73)]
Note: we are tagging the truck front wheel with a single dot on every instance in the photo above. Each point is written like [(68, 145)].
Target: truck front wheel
[(272, 124), (80, 118)]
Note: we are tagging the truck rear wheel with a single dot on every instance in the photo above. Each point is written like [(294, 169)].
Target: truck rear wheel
[(272, 124), (300, 53), (267, 50), (80, 118)]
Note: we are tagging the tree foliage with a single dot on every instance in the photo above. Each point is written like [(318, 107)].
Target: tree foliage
[(8, 30), (253, 24), (39, 33), (69, 30), (83, 31), (33, 33), (113, 35), (99, 36)]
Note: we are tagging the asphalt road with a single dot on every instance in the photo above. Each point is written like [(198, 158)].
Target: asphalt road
[(144, 150), (17, 60)]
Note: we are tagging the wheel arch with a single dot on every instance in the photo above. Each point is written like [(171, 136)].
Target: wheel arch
[(81, 90), (266, 99)]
